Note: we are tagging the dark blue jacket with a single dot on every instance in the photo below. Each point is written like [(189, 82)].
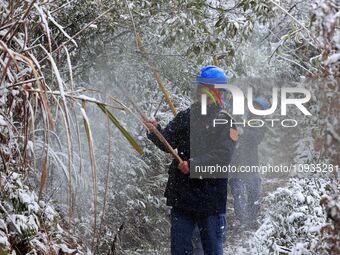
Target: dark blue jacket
[(209, 145)]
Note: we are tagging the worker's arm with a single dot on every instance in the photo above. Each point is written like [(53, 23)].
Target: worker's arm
[(172, 132)]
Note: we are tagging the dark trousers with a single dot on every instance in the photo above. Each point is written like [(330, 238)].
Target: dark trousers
[(211, 230)]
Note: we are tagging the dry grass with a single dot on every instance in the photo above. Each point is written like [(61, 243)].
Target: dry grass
[(32, 89)]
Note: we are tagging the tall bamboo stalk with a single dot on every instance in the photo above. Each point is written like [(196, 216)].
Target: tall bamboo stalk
[(156, 73), (157, 133)]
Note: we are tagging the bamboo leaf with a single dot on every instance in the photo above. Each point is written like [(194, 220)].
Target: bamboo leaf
[(93, 166), (125, 133)]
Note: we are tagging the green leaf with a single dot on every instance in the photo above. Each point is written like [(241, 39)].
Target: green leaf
[(124, 132), (219, 21)]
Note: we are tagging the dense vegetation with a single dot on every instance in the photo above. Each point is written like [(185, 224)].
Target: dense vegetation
[(78, 174)]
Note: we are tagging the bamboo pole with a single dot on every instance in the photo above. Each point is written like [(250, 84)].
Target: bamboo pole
[(215, 61), (157, 133), (156, 74)]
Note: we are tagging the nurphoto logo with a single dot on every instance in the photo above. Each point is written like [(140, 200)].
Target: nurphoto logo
[(238, 104)]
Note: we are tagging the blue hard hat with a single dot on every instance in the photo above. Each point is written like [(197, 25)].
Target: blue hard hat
[(262, 102), (211, 75)]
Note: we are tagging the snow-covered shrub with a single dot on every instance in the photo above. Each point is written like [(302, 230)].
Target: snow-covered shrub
[(325, 25), (330, 241), (293, 219), (28, 226)]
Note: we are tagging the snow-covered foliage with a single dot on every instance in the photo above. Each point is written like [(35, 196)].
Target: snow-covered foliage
[(294, 219), (330, 242), (61, 58), (28, 226), (326, 28)]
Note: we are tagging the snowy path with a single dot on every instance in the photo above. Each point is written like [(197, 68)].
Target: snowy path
[(236, 243)]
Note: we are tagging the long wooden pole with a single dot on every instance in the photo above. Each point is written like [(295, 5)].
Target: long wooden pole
[(157, 133), (156, 73)]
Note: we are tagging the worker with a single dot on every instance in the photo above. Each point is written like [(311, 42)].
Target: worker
[(197, 202), (246, 186)]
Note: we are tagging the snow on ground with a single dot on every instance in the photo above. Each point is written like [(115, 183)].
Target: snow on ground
[(28, 226), (291, 221)]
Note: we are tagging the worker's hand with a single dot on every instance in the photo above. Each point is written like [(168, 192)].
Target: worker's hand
[(151, 125), (184, 167)]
